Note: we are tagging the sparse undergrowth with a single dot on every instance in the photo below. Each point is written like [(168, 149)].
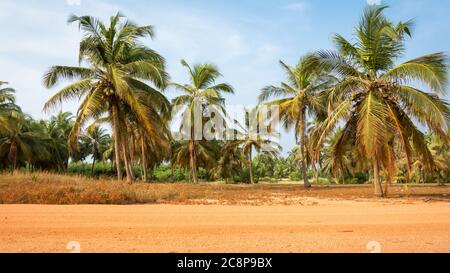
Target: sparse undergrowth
[(46, 188)]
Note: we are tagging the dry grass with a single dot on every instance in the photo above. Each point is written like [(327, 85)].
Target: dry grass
[(45, 188)]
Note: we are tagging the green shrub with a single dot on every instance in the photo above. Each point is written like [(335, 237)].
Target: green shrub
[(165, 173), (362, 177), (101, 169), (295, 176), (245, 177)]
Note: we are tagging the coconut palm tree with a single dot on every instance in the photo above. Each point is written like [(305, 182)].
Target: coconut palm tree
[(113, 82), (23, 143), (375, 98), (205, 154), (441, 156), (200, 92), (6, 94), (8, 106), (98, 140), (57, 130), (301, 98), (252, 139), (229, 164)]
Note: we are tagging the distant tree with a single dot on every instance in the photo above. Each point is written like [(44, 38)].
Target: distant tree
[(97, 140), (22, 143), (8, 107), (57, 130)]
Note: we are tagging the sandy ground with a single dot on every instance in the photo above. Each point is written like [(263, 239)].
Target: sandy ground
[(318, 226)]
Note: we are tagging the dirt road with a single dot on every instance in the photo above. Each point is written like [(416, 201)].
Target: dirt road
[(318, 226)]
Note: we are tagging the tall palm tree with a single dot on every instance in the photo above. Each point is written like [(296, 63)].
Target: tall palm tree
[(375, 99), (113, 82), (301, 97), (200, 92)]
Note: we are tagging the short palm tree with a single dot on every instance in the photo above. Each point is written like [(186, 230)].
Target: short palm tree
[(375, 98), (22, 143), (253, 139), (301, 97), (113, 82), (98, 141), (205, 154), (200, 92), (229, 165), (58, 129)]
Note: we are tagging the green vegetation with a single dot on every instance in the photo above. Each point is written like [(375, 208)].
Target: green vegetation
[(357, 115)]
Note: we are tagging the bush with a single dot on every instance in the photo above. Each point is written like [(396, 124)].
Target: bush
[(165, 173), (295, 176), (362, 177), (101, 169), (203, 175), (245, 177)]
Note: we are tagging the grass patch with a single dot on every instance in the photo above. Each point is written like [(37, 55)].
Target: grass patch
[(47, 188)]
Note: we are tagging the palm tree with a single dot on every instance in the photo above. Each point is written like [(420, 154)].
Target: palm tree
[(201, 91), (441, 155), (8, 106), (301, 98), (205, 154), (98, 141), (151, 152), (112, 83), (58, 129), (252, 139), (374, 98), (6, 94), (229, 164), (22, 143)]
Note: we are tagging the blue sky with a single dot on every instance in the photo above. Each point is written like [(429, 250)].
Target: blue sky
[(244, 38)]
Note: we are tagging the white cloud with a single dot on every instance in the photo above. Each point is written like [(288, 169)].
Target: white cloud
[(298, 6), (73, 2), (374, 2)]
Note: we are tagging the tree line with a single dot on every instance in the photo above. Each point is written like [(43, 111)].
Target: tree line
[(354, 111)]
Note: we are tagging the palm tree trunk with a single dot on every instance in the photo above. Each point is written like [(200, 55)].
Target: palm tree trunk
[(144, 160), (15, 160), (193, 161), (93, 166), (116, 136), (13, 155), (376, 179), (251, 166), (193, 155), (128, 164), (386, 186), (316, 173), (302, 150)]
